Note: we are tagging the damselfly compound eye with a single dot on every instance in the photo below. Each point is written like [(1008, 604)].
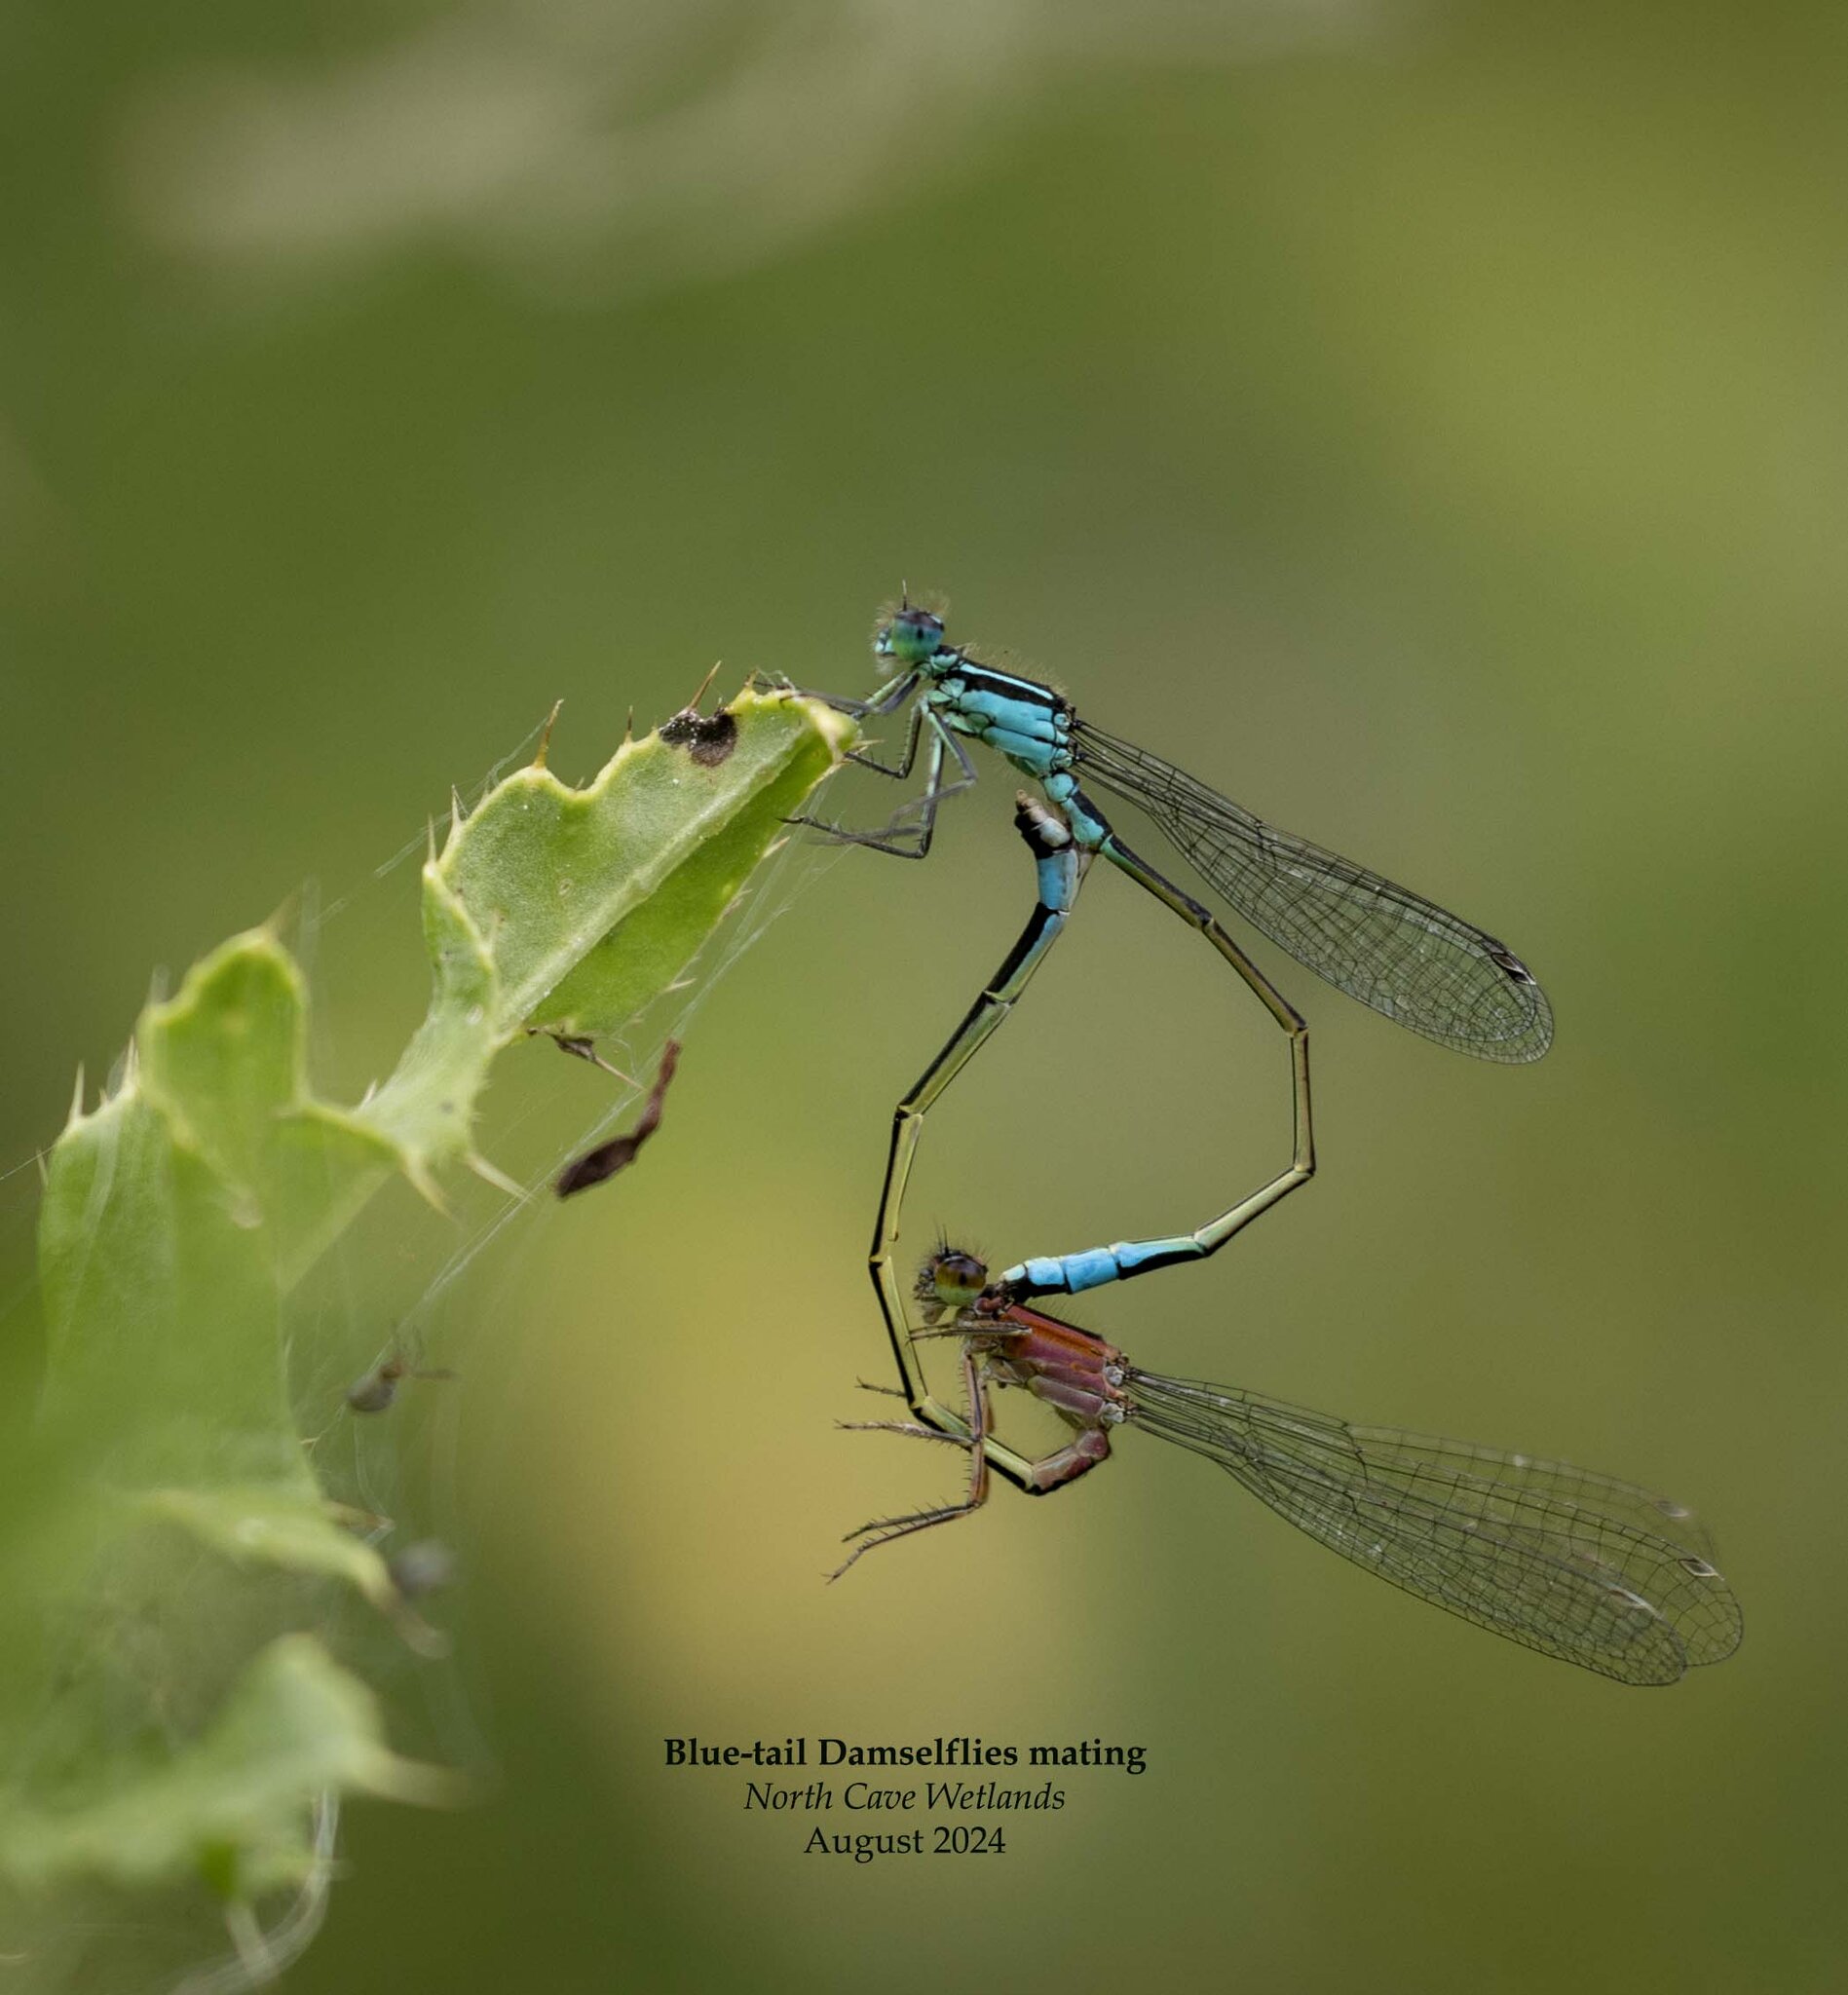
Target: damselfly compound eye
[(956, 1278), (910, 635)]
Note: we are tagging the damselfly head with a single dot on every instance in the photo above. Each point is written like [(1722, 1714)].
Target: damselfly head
[(910, 633), (951, 1279)]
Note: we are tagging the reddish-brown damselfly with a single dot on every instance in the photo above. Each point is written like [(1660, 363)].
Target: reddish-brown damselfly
[(1573, 1564)]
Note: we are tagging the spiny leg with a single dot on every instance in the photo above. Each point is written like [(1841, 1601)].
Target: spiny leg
[(909, 1428), (900, 769), (908, 832), (1071, 1273), (1040, 1475), (888, 699), (883, 1530)]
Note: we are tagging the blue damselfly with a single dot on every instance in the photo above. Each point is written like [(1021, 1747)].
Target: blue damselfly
[(1390, 948)]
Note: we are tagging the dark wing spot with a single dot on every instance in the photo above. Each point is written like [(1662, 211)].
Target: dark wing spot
[(1506, 959)]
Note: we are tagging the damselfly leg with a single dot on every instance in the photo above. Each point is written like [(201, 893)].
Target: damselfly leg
[(1564, 1561), (907, 834), (882, 1530)]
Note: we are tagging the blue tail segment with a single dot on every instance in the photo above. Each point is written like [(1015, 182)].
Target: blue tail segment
[(1071, 1274)]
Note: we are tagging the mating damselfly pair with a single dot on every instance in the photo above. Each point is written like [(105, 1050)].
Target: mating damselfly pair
[(1575, 1564)]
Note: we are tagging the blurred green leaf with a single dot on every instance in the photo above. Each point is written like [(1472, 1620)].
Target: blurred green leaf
[(178, 1729), (236, 1804)]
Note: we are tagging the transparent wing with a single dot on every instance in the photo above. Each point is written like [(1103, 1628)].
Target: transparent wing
[(1578, 1565), (1382, 943)]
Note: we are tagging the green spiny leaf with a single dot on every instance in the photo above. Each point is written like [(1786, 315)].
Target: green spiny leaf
[(165, 1528)]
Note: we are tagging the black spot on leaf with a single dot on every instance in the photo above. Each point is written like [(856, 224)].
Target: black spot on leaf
[(708, 741)]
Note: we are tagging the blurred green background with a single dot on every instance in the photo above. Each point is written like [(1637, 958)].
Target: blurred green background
[(1424, 421)]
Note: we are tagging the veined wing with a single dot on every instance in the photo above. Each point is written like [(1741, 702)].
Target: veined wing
[(1392, 949), (1577, 1565)]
